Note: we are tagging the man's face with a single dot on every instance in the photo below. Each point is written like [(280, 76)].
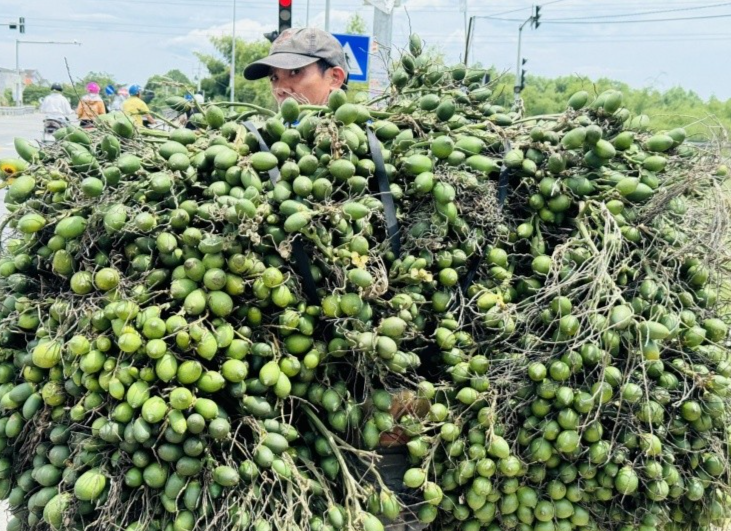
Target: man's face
[(306, 85)]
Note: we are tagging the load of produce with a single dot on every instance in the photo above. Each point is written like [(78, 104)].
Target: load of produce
[(212, 329)]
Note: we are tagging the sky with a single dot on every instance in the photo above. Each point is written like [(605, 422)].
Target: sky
[(651, 43)]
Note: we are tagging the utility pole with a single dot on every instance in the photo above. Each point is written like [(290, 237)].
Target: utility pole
[(463, 7), (520, 76), (20, 26), (327, 15), (383, 36), (18, 42), (468, 39), (232, 81)]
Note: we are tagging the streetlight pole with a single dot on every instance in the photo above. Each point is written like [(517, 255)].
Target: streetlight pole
[(18, 42), (327, 15), (516, 88), (534, 21), (233, 55)]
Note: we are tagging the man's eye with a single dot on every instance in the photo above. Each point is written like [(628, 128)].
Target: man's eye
[(294, 71)]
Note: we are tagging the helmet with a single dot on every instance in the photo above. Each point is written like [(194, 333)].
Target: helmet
[(123, 92), (93, 88), (109, 90), (57, 86), (135, 90), (199, 98)]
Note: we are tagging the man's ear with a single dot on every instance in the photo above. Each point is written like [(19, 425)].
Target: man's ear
[(337, 77)]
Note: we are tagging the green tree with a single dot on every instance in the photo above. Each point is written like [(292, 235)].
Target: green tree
[(101, 78), (356, 25), (675, 107), (6, 98), (32, 94), (216, 85), (172, 83)]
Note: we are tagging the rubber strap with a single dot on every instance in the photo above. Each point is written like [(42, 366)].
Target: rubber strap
[(384, 187), (301, 260), (502, 195)]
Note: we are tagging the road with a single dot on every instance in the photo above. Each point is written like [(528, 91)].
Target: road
[(30, 127)]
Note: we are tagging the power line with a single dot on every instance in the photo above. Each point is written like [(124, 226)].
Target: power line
[(592, 40), (677, 19), (641, 13)]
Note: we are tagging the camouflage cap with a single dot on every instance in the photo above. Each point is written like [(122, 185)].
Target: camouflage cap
[(297, 48)]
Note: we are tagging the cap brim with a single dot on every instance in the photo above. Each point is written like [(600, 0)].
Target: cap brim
[(288, 61)]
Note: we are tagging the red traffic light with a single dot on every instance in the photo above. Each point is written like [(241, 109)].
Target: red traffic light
[(285, 3)]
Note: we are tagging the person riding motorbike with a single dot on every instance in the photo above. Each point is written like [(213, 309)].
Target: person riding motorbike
[(119, 99), (90, 106), (56, 108), (136, 108)]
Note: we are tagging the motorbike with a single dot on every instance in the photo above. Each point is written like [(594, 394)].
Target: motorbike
[(51, 125)]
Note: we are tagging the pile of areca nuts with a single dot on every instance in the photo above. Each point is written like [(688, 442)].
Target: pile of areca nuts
[(222, 329)]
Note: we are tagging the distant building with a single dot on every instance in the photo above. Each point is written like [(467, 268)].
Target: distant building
[(9, 79)]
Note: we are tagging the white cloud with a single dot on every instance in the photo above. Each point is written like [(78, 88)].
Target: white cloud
[(422, 4), (246, 28), (338, 20)]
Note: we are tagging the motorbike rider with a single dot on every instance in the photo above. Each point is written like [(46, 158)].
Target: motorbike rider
[(119, 99), (56, 106), (136, 108), (90, 105)]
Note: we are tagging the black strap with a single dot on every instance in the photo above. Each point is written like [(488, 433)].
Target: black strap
[(303, 265), (384, 186), (301, 260), (502, 195)]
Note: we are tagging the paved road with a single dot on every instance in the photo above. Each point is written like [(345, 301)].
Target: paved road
[(30, 127)]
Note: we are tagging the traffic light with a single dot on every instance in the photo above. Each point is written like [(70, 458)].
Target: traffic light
[(21, 25), (285, 15), (537, 17), (271, 36), (523, 72)]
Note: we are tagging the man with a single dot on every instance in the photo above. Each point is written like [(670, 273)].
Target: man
[(136, 108), (55, 106), (304, 63)]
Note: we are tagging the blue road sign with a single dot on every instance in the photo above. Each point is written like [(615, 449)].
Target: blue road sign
[(357, 51)]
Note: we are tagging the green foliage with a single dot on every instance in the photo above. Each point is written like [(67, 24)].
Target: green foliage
[(172, 83), (356, 25), (101, 78), (216, 86), (32, 94), (676, 107), (355, 88)]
